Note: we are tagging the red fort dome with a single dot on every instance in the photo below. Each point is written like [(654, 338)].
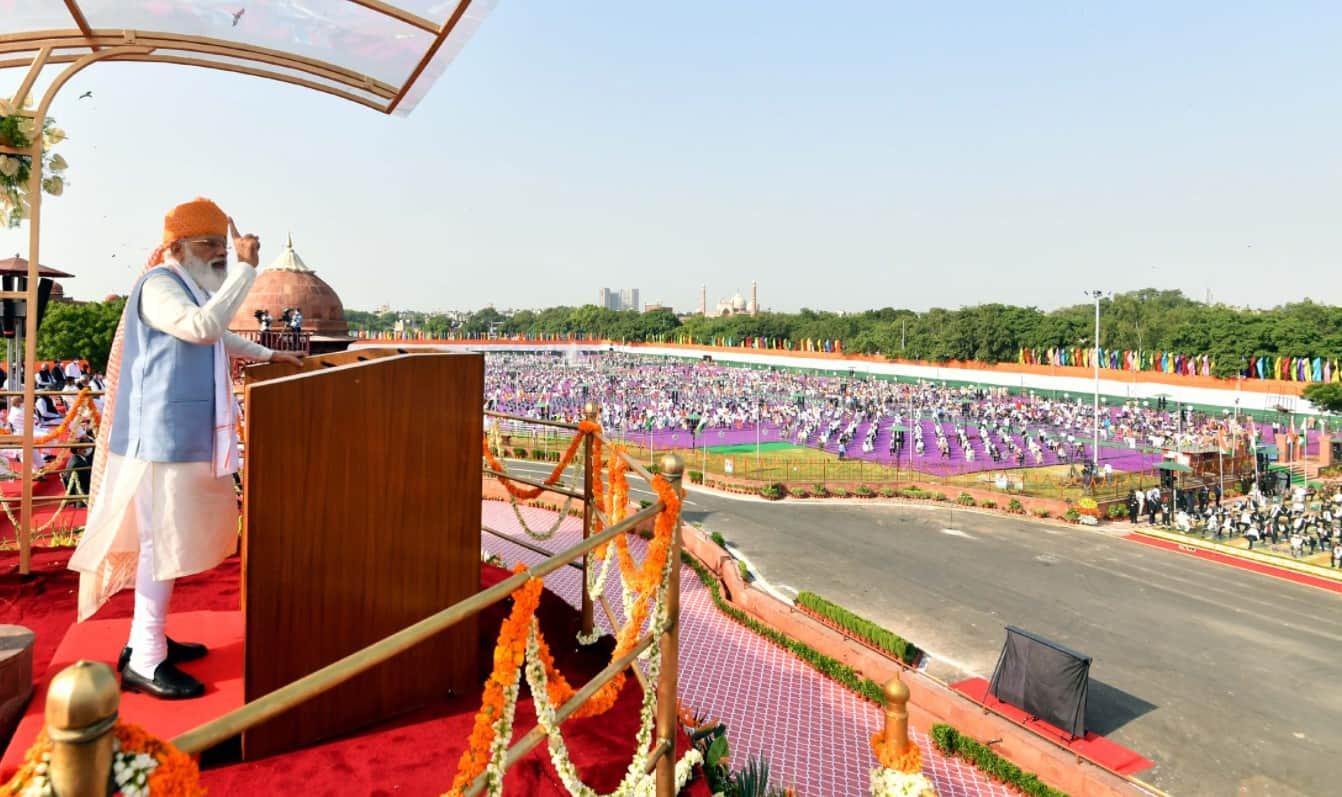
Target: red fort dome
[(289, 283)]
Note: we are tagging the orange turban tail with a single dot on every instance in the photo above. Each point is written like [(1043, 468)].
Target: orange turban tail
[(200, 216)]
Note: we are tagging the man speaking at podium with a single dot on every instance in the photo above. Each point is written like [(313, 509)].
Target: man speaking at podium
[(163, 504)]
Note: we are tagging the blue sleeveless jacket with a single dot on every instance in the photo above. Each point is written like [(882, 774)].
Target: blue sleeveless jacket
[(165, 403)]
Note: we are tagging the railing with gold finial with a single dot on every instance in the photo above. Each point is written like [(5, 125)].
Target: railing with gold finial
[(82, 702)]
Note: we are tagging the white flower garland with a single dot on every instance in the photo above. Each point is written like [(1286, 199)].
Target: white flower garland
[(596, 586), (130, 771), (541, 536), (647, 787), (893, 783), (40, 785), (635, 783), (503, 734)]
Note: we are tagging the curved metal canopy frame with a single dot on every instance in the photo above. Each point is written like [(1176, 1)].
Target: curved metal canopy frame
[(381, 55), (385, 28)]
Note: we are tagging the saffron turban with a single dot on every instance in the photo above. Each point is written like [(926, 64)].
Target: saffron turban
[(200, 216)]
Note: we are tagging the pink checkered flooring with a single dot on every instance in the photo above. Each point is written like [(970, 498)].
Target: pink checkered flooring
[(813, 732)]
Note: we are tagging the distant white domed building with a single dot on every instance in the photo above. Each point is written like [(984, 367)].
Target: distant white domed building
[(737, 305)]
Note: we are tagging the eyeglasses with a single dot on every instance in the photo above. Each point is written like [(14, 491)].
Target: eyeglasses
[(209, 244)]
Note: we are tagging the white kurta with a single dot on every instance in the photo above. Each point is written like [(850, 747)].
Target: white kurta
[(194, 515)]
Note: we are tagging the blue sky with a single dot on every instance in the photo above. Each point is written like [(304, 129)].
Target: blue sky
[(846, 156)]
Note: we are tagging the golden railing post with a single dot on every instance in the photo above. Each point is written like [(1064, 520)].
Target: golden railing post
[(673, 468), (39, 116), (592, 412), (25, 525), (896, 716), (81, 711)]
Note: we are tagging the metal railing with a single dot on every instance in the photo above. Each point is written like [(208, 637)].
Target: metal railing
[(73, 476), (279, 339), (661, 759)]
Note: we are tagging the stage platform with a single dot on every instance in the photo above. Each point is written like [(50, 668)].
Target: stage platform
[(411, 754), (1091, 747), (101, 640)]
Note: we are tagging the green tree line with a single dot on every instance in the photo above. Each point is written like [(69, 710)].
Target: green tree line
[(79, 331), (1143, 320)]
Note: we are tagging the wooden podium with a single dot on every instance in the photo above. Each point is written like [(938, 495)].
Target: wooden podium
[(362, 516)]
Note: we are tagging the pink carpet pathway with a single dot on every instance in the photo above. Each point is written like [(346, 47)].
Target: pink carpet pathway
[(813, 732)]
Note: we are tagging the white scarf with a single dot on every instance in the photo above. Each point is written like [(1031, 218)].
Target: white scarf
[(225, 459)]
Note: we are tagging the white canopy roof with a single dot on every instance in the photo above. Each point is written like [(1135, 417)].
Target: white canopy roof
[(385, 55)]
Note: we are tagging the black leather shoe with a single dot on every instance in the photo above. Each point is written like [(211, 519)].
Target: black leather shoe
[(168, 683), (178, 653)]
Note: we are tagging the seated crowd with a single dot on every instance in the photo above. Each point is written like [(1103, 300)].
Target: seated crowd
[(851, 416), (67, 380), (1299, 519)]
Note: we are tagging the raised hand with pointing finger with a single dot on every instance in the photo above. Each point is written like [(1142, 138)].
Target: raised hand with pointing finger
[(247, 246)]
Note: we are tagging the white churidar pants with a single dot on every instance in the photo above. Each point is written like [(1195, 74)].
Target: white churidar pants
[(148, 640)]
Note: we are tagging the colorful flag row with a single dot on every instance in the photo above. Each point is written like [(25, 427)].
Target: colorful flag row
[(751, 342), (1291, 369)]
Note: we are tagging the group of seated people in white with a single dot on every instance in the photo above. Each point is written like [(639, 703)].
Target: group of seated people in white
[(48, 411), (1302, 521), (642, 393)]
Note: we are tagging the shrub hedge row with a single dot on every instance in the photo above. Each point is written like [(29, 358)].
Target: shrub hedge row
[(950, 742), (947, 739), (831, 668), (861, 627)]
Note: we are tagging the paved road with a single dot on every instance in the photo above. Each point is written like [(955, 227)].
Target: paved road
[(1227, 679)]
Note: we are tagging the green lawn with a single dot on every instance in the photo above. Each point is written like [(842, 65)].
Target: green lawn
[(775, 447)]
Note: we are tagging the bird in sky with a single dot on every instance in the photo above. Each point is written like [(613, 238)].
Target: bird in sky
[(237, 15), (86, 95)]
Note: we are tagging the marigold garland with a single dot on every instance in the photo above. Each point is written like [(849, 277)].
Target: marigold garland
[(174, 773), (643, 583), (597, 486), (55, 434), (61, 434), (526, 494), (509, 652), (910, 762), (617, 500)]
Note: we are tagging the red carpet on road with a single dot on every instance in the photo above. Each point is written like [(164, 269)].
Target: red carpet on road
[(1091, 747), (415, 754), (1235, 561)]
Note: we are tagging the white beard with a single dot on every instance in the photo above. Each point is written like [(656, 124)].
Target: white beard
[(206, 276)]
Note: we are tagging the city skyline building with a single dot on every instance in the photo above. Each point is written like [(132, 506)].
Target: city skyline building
[(621, 299)]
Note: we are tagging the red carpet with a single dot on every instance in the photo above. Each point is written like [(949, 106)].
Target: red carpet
[(1235, 561), (1091, 747), (411, 755), (70, 517), (221, 671)]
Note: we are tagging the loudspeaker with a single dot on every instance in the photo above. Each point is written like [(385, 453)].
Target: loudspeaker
[(14, 312)]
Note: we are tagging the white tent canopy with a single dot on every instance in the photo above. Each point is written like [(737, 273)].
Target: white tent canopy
[(385, 55)]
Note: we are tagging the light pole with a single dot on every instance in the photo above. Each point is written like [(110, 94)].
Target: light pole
[(759, 422), (1095, 357)]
